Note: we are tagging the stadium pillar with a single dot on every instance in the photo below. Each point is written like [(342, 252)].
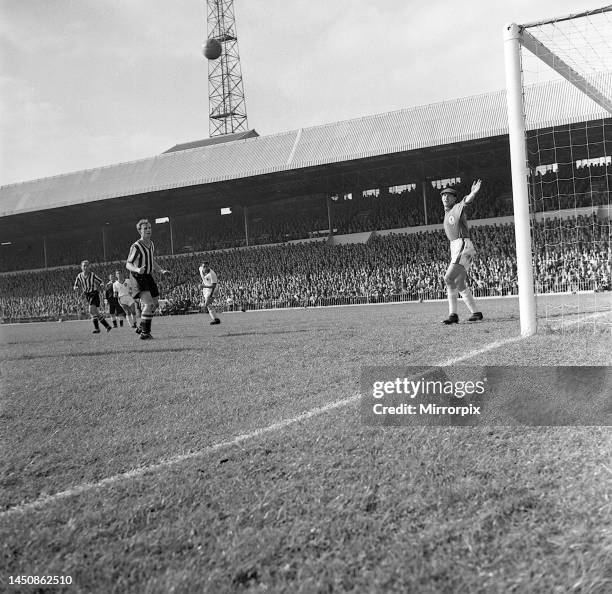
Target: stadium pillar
[(104, 243), (245, 210), (171, 236), (424, 191), (45, 250), (329, 215)]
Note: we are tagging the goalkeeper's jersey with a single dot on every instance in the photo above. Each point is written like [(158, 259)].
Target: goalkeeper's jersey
[(455, 222)]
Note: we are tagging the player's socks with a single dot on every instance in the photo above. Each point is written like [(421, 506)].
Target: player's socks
[(121, 323), (452, 301), (115, 323), (104, 323), (95, 323), (145, 325), (467, 296)]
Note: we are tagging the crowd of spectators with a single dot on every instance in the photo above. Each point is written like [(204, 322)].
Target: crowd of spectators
[(568, 253), (307, 216), (571, 187)]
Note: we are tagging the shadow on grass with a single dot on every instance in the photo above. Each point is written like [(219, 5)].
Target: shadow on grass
[(99, 353), (268, 333), (29, 342)]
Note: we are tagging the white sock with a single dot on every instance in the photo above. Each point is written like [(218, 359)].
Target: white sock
[(452, 300), (211, 312), (467, 296)]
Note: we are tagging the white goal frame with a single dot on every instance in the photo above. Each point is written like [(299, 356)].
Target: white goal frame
[(515, 37)]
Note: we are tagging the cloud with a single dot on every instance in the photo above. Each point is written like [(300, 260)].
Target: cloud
[(40, 140)]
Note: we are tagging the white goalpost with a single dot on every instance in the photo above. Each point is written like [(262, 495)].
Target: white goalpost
[(559, 101)]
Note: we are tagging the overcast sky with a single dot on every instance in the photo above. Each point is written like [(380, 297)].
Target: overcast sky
[(88, 83)]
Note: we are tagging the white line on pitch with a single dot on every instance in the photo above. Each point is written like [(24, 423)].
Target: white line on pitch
[(85, 487), (315, 412)]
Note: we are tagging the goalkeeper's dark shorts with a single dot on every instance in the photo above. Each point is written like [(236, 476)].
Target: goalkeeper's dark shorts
[(144, 282)]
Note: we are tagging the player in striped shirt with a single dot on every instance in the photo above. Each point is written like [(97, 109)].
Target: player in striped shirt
[(141, 263), (89, 284), (462, 252)]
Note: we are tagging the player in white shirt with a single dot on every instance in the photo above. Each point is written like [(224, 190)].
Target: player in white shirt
[(123, 288), (209, 287)]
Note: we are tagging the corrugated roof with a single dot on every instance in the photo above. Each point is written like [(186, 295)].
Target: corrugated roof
[(213, 140), (460, 120)]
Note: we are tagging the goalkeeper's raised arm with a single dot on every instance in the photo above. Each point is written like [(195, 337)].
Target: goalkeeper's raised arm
[(475, 189)]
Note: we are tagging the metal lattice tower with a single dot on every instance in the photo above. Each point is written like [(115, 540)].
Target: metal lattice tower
[(225, 90)]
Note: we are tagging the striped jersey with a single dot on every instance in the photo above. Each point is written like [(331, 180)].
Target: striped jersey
[(455, 222), (88, 283), (142, 255)]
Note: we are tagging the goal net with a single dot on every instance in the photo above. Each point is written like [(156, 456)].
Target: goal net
[(559, 95)]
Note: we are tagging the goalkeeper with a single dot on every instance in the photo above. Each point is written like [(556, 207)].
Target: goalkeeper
[(462, 253)]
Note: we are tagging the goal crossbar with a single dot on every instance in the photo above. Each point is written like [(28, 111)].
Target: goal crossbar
[(538, 49), (577, 15)]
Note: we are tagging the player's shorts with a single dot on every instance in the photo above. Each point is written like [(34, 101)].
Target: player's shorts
[(209, 293), (113, 307), (126, 300), (144, 282), (462, 252), (128, 307), (93, 298)]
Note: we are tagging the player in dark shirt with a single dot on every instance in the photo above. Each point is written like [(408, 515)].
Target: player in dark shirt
[(114, 308), (462, 252)]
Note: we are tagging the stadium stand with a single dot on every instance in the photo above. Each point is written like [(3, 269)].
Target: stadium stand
[(283, 221), (386, 268), (364, 176)]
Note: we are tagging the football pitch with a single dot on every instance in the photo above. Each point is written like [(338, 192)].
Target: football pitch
[(234, 457)]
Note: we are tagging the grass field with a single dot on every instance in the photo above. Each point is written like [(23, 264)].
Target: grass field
[(233, 457)]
